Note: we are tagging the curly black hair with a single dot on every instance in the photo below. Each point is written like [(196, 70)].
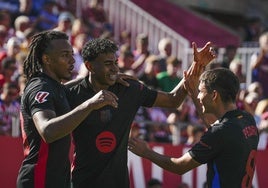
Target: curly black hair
[(93, 48)]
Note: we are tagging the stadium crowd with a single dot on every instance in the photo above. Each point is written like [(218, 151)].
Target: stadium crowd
[(20, 21)]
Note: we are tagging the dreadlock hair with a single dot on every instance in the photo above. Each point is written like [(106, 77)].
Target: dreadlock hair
[(95, 47), (39, 45)]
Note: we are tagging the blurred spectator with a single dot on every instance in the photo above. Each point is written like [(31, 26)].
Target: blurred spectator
[(236, 66), (256, 87), (28, 33), (150, 71), (9, 110), (169, 79), (96, 17), (12, 48), (165, 51), (194, 133), (178, 121), (125, 58), (21, 56), (140, 53), (125, 38), (253, 29), (250, 103), (3, 38), (12, 6), (213, 65), (228, 56), (65, 21), (259, 64), (161, 133), (79, 27), (142, 117), (79, 67), (47, 18), (8, 69), (263, 130), (6, 20), (261, 107), (107, 35), (21, 23), (154, 183)]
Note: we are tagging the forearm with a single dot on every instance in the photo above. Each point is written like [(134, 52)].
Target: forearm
[(164, 162), (53, 128), (173, 99)]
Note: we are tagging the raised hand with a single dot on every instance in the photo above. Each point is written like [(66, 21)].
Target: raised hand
[(205, 55), (138, 146), (122, 77)]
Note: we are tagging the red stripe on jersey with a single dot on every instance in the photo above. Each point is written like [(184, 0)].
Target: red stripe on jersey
[(26, 147), (40, 168)]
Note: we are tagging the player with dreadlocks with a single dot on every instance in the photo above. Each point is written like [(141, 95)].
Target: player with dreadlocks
[(47, 119)]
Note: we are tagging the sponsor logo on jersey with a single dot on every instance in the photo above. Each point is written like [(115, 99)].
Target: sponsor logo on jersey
[(41, 96), (106, 142)]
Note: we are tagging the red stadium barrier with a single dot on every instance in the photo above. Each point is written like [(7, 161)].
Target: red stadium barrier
[(141, 170)]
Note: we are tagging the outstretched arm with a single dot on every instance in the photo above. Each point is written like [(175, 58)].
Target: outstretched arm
[(179, 165)]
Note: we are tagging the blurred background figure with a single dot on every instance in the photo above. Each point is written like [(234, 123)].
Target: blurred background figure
[(21, 24), (140, 53), (48, 17), (228, 56), (96, 18), (151, 69), (194, 133), (65, 21), (8, 69), (259, 64), (125, 59), (154, 183), (9, 110), (169, 79), (236, 66), (165, 51)]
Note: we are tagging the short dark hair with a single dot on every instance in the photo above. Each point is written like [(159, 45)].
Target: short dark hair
[(93, 48), (223, 81)]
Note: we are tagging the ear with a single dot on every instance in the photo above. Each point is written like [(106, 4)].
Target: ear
[(45, 59), (89, 66), (216, 95)]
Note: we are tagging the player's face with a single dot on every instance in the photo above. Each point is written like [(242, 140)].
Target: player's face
[(61, 60), (205, 98), (104, 70)]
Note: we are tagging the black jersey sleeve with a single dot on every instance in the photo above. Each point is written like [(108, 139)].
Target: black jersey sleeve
[(209, 146), (40, 97), (147, 95)]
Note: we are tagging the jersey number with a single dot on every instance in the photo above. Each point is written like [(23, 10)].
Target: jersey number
[(247, 179)]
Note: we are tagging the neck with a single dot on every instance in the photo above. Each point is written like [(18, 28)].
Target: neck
[(95, 85), (226, 108)]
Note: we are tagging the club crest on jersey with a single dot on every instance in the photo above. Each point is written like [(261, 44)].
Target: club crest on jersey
[(41, 96)]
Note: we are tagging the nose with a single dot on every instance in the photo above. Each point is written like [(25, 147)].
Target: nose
[(72, 60), (115, 67)]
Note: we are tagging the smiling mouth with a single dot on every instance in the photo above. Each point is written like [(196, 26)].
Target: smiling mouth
[(113, 76)]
